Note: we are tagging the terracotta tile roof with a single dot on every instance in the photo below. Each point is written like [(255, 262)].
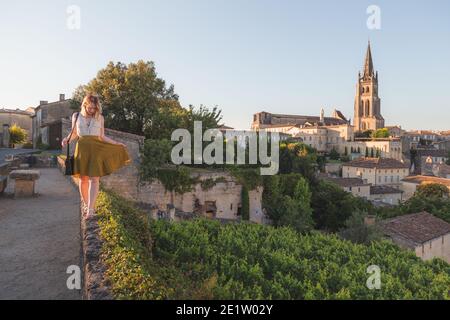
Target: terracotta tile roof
[(417, 227), (378, 163), (427, 179), (384, 190)]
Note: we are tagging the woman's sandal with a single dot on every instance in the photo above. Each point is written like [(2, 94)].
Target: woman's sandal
[(84, 208)]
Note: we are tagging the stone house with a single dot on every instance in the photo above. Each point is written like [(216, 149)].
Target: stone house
[(46, 121), (425, 234), (355, 186), (409, 184), (22, 118), (442, 171), (386, 194), (426, 159), (376, 171)]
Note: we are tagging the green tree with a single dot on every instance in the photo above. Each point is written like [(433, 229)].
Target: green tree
[(136, 100), (357, 231), (17, 135), (298, 158), (432, 190), (332, 206), (287, 200), (334, 155), (380, 133)]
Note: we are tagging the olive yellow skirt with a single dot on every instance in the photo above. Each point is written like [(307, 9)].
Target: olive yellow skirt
[(96, 158)]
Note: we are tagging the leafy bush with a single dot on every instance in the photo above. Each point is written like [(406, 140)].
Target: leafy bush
[(204, 259), (17, 135), (249, 261), (126, 249)]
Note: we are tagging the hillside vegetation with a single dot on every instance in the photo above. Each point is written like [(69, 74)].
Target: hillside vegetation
[(204, 259)]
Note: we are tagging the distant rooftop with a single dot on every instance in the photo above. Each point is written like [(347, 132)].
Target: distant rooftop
[(378, 163), (417, 228), (382, 189), (427, 179)]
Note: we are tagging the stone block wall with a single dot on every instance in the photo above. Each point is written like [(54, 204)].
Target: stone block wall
[(225, 195)]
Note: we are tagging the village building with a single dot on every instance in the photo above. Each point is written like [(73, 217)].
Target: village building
[(355, 186), (386, 194), (9, 117), (360, 188), (423, 233), (409, 184), (46, 121), (442, 171), (376, 171), (395, 131), (427, 159)]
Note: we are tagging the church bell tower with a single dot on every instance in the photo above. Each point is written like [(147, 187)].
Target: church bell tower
[(367, 103)]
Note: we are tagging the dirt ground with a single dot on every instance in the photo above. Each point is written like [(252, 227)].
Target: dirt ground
[(39, 240)]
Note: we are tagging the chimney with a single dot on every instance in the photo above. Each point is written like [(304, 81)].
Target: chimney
[(62, 97), (43, 102)]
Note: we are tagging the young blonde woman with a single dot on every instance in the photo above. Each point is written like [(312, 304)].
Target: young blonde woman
[(95, 154)]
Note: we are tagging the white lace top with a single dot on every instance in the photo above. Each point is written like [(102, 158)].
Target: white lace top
[(88, 126)]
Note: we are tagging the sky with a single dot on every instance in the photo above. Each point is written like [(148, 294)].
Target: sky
[(246, 56)]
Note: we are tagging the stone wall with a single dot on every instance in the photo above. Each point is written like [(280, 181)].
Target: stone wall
[(436, 248), (226, 197)]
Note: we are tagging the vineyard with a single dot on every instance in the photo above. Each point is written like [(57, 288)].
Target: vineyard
[(204, 259)]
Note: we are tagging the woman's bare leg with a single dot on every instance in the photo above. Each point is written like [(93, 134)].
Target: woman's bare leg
[(84, 188), (94, 184)]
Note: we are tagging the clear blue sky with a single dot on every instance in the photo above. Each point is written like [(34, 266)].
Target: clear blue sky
[(244, 56)]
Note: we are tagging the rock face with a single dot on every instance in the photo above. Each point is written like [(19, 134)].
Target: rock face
[(222, 200)]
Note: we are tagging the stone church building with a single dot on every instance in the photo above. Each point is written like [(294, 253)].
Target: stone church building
[(367, 108), (367, 103)]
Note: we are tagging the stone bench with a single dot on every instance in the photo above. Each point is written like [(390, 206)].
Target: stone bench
[(24, 182)]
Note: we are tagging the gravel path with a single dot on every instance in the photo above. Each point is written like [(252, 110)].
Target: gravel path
[(39, 239)]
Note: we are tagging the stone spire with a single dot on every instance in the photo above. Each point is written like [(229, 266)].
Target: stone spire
[(368, 64)]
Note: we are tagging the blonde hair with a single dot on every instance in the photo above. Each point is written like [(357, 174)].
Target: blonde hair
[(91, 98)]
